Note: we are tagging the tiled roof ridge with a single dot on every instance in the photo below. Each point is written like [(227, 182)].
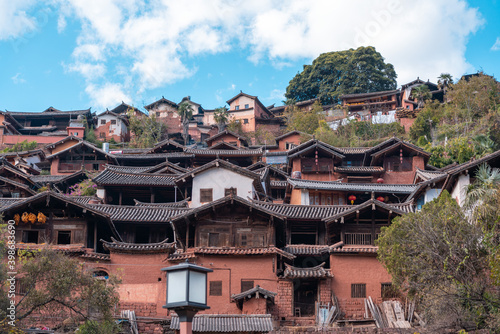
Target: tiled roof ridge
[(314, 272), (243, 251), (253, 290), (120, 246)]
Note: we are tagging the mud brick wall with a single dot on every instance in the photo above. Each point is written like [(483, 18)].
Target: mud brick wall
[(284, 299)]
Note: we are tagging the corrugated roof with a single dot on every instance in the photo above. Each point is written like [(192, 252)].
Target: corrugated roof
[(314, 272), (226, 323), (377, 187)]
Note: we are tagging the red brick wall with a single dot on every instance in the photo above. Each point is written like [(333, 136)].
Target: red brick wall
[(406, 123), (354, 269), (284, 299)]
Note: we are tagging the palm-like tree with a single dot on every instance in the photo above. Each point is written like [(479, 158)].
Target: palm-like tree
[(421, 93), (482, 194), (444, 80), (186, 113), (221, 117)]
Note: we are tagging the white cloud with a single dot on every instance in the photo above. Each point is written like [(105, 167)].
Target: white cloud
[(149, 46), (17, 79), (107, 95), (14, 20), (496, 46), (276, 94)]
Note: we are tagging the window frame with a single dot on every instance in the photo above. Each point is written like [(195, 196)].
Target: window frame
[(215, 288), (204, 196), (358, 290)]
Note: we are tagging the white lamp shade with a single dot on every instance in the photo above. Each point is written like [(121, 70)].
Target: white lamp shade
[(197, 287), (177, 286)]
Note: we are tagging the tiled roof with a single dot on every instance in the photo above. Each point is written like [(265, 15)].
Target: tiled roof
[(96, 256), (224, 153), (295, 132), (180, 204), (180, 256), (47, 178), (242, 251), (142, 214), (127, 169), (373, 203), (315, 146), (257, 290), (17, 184), (85, 199), (226, 323), (307, 249), (6, 202), (303, 211), (73, 248), (360, 169), (367, 95), (111, 177), (353, 150), (428, 174), (125, 247), (315, 272), (151, 156), (355, 249), (377, 187), (278, 184), (226, 132)]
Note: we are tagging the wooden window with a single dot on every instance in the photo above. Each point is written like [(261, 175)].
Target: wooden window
[(230, 191), (30, 237), (387, 291), (63, 237), (246, 285), (103, 121), (358, 290), (357, 238), (206, 195), (21, 287), (215, 288), (244, 240), (213, 239)]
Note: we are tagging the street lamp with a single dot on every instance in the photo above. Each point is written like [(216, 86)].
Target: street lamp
[(186, 292)]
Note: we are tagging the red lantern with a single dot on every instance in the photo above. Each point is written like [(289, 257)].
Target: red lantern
[(380, 198), (352, 198), (380, 180), (401, 155)]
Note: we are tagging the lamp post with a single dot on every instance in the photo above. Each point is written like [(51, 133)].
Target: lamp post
[(186, 292)]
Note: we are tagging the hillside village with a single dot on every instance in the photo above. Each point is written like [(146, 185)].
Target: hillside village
[(288, 226)]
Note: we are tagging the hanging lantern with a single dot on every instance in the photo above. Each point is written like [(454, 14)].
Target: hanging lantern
[(316, 156), (401, 155), (352, 198), (380, 180), (380, 198)]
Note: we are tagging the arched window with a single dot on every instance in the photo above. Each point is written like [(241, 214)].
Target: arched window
[(100, 274)]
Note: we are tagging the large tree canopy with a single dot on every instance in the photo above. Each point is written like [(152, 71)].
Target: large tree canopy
[(333, 74)]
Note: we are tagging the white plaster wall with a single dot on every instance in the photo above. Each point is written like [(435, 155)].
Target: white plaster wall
[(241, 101), (117, 129), (431, 194), (304, 197), (458, 191), (101, 193), (219, 179)]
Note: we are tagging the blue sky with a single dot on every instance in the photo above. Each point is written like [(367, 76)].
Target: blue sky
[(77, 54)]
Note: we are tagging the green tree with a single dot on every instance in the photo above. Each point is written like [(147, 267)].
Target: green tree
[(421, 93), (22, 146), (59, 285), (147, 131), (444, 81), (186, 113), (221, 117), (438, 257), (333, 74), (305, 121)]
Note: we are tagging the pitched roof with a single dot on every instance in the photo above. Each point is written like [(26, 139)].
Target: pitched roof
[(48, 112), (333, 185), (110, 177), (148, 248), (291, 133), (311, 250), (123, 108), (42, 180), (17, 185), (181, 204), (255, 291), (373, 203), (314, 272), (243, 251), (160, 101), (227, 132), (81, 143), (353, 150), (368, 95), (399, 144), (141, 214), (235, 323), (225, 146), (153, 156), (427, 175), (360, 169), (221, 164), (62, 141), (355, 249), (165, 143), (225, 153), (304, 212), (314, 144)]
